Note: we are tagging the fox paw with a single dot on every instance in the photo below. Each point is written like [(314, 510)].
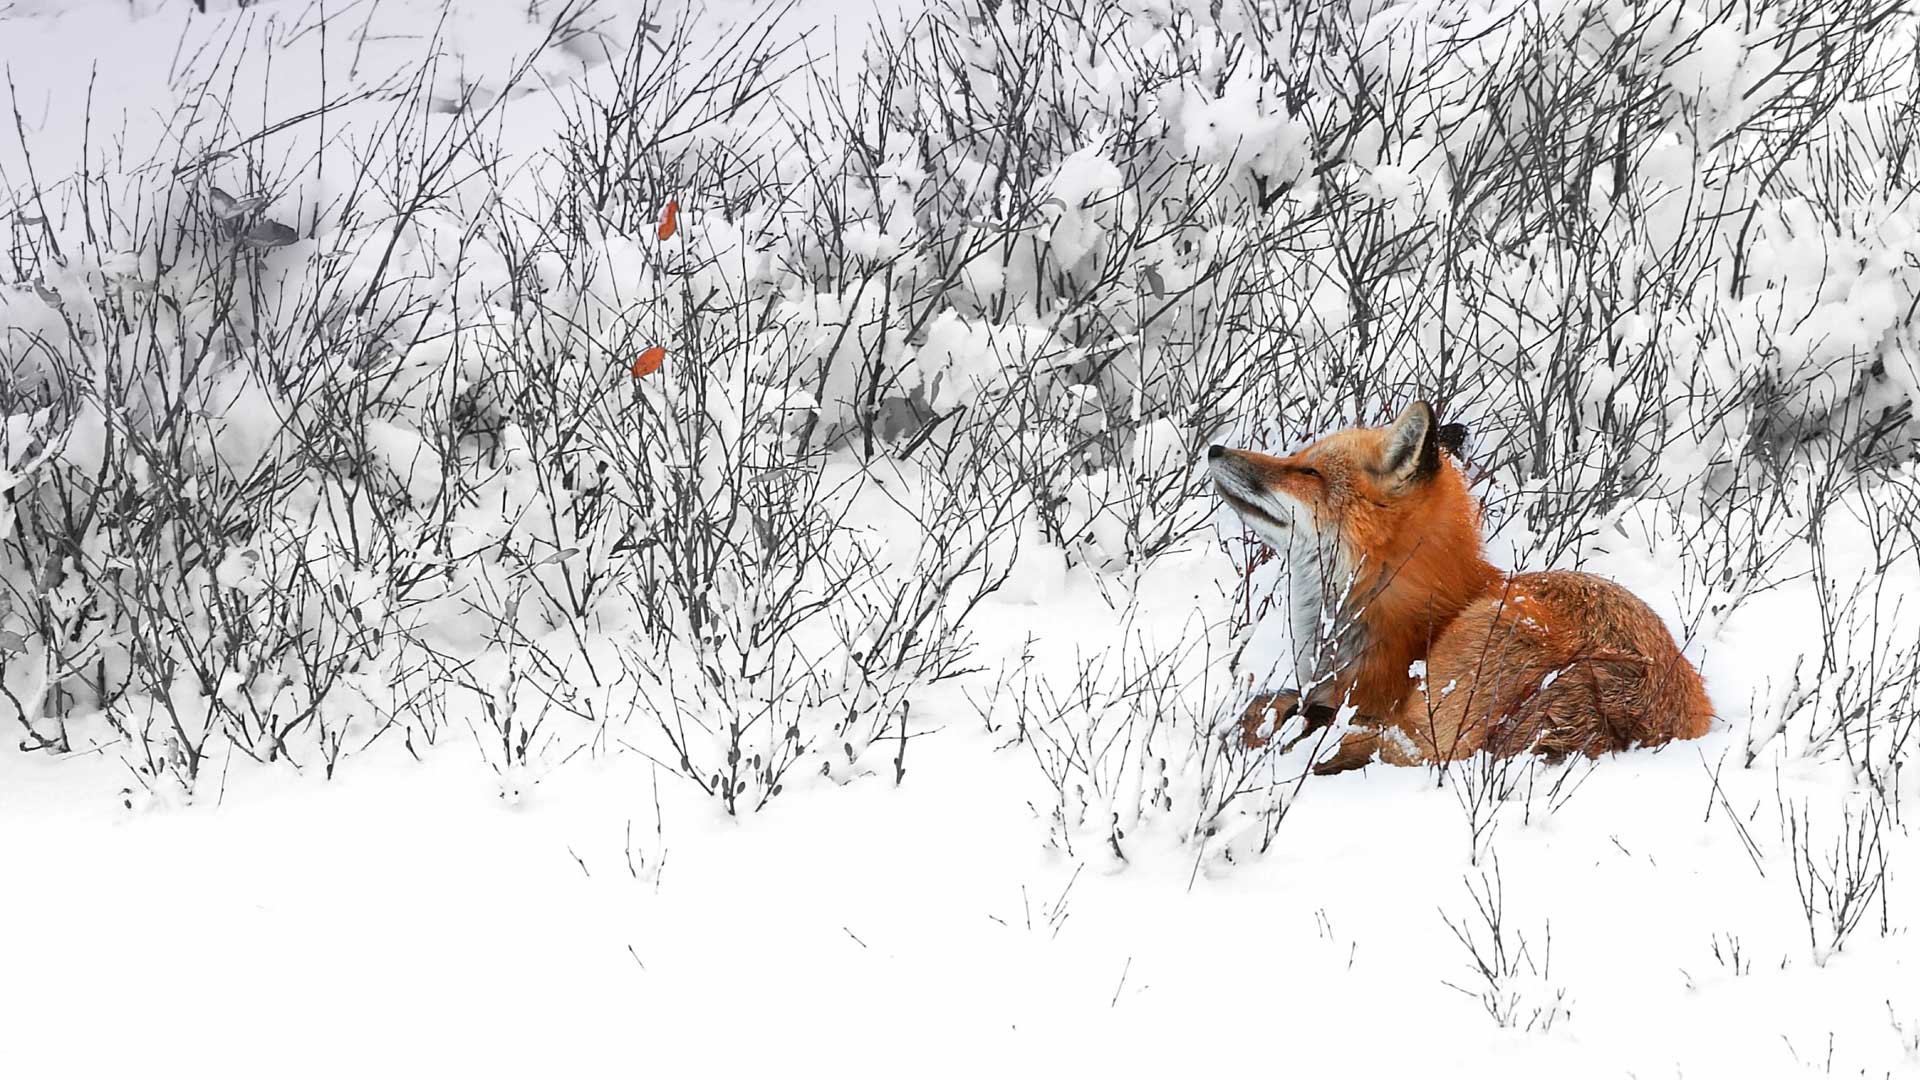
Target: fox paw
[(1263, 716), (1355, 751), (1261, 720)]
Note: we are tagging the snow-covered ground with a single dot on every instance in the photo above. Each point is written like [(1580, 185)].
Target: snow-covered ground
[(402, 918), (983, 877)]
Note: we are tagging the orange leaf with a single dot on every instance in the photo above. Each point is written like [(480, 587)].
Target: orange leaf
[(649, 361), (670, 219)]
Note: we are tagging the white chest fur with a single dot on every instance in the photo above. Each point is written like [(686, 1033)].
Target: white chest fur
[(1324, 637), (1319, 616)]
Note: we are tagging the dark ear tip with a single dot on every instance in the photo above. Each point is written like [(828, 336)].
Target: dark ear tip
[(1451, 437)]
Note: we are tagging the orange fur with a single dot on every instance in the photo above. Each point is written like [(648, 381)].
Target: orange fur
[(1554, 663)]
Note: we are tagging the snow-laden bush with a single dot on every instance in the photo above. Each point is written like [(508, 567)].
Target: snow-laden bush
[(319, 432)]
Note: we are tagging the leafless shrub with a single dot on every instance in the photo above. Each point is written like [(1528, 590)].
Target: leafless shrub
[(233, 535), (1486, 786), (1840, 885), (1004, 288), (1516, 990), (1854, 698), (1143, 748), (1728, 954)]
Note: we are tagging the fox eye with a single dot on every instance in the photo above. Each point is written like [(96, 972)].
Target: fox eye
[(1307, 470)]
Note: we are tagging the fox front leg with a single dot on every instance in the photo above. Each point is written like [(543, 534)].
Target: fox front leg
[(1262, 718), (1355, 751), (1368, 742), (1264, 714)]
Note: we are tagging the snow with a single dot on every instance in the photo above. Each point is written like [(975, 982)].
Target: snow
[(555, 729), (400, 917), (415, 921)]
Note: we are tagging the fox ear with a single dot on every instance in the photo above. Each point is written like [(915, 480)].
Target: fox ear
[(1451, 438), (1413, 449)]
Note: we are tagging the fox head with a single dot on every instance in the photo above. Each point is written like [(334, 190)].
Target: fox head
[(1376, 491), (1370, 522)]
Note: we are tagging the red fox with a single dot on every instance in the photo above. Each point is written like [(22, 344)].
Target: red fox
[(1395, 610)]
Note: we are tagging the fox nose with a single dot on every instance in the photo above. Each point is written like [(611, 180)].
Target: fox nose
[(1215, 451)]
